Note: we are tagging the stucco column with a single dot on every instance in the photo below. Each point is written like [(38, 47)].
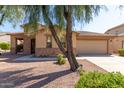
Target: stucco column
[(27, 45), (40, 42), (13, 45), (74, 42)]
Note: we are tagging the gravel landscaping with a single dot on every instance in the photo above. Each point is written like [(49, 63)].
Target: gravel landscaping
[(40, 74)]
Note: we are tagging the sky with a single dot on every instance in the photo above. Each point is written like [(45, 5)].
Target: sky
[(106, 19)]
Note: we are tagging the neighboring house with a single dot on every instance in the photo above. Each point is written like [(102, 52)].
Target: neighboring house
[(118, 41), (4, 37), (42, 43)]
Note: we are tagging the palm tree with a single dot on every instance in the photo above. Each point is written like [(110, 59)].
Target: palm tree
[(64, 16)]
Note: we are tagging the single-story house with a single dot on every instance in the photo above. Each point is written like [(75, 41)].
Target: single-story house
[(42, 42)]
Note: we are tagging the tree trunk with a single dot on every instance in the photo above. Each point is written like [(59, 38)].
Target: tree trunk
[(2, 15), (70, 55)]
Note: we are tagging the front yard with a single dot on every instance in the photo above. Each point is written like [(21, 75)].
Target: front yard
[(39, 74)]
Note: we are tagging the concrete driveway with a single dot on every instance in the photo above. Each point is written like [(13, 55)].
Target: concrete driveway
[(111, 63)]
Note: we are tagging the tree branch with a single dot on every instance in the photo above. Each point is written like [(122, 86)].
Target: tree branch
[(2, 18), (54, 34)]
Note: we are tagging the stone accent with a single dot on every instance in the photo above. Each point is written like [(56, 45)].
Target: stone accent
[(48, 51)]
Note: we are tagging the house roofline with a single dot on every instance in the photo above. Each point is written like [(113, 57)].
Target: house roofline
[(115, 27), (28, 24), (15, 33), (98, 35)]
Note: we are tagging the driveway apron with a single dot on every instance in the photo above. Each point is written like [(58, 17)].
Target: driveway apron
[(111, 63)]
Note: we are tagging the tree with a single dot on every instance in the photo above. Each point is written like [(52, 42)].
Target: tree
[(64, 16), (4, 46)]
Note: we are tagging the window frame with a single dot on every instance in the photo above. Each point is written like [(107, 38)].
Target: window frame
[(63, 43), (47, 43)]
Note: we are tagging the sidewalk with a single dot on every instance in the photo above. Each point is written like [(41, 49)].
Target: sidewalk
[(31, 58)]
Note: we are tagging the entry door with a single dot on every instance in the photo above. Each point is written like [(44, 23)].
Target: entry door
[(32, 46)]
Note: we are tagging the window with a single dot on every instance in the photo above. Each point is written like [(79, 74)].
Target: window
[(63, 42), (49, 42)]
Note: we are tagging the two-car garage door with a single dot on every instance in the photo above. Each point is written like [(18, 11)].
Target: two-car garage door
[(92, 46)]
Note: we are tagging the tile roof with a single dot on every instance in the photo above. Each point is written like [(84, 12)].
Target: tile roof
[(115, 27), (87, 33)]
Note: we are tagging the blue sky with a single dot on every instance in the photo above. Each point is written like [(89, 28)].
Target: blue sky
[(105, 20)]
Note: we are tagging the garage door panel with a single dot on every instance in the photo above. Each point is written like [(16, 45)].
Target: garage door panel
[(91, 46)]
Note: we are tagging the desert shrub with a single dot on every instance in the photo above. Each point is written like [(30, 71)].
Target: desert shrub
[(81, 71), (60, 59), (121, 51), (4, 46), (101, 80)]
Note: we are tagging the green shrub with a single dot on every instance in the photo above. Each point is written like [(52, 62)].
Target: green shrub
[(121, 51), (60, 59), (81, 71), (4, 46), (101, 80)]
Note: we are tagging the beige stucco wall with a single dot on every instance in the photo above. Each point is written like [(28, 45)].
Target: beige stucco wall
[(110, 46), (40, 40), (13, 44), (27, 45), (117, 43), (41, 49), (74, 39)]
